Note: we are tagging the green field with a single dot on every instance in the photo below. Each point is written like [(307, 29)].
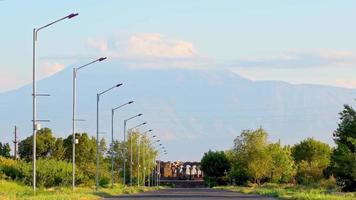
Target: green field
[(292, 192), (12, 191)]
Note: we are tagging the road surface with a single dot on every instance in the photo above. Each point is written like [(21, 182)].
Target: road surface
[(190, 194)]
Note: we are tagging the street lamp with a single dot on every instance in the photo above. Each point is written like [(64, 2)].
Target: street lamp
[(125, 122), (112, 139), (149, 165), (158, 171), (35, 125), (158, 174), (138, 154), (97, 131), (143, 158), (75, 70)]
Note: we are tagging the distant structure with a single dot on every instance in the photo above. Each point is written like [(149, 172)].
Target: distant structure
[(181, 170), (15, 141)]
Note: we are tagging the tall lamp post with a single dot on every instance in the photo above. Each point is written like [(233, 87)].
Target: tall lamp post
[(97, 131), (112, 139), (131, 157), (158, 171), (159, 174), (35, 125), (155, 169), (149, 164), (125, 122), (75, 71), (143, 158)]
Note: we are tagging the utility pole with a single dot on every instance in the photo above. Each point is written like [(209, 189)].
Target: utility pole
[(15, 143)]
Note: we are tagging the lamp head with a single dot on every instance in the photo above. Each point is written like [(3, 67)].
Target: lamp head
[(139, 115), (72, 15), (118, 85), (130, 102), (102, 58)]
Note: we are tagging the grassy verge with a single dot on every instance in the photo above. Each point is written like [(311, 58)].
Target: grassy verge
[(15, 191), (292, 192)]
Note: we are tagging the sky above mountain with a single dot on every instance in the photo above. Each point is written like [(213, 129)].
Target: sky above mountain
[(294, 41)]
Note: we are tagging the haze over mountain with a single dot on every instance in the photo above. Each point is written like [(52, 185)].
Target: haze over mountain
[(191, 111)]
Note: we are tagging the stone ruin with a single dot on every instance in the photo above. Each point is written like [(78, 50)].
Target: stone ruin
[(181, 170)]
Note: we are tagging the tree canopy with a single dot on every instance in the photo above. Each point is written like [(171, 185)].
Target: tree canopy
[(343, 161)]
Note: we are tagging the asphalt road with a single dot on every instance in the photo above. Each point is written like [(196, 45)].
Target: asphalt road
[(190, 194)]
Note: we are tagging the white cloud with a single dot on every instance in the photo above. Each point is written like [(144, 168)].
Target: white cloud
[(345, 83), (149, 50), (48, 68), (156, 45), (100, 44)]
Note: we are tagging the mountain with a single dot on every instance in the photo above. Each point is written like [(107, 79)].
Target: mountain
[(191, 111)]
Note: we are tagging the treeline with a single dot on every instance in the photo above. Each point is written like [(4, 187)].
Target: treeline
[(254, 159), (5, 150), (54, 156)]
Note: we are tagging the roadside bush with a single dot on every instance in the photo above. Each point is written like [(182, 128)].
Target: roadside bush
[(49, 172), (14, 169), (309, 173), (53, 173)]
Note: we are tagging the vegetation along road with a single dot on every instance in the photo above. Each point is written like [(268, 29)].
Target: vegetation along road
[(191, 193)]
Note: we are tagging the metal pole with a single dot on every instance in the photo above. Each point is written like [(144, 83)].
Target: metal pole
[(156, 173), (125, 152), (131, 162), (73, 126), (112, 147), (34, 110), (97, 142), (149, 167), (144, 164), (159, 174), (138, 160)]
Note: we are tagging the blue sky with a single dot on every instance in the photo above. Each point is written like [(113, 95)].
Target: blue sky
[(295, 41)]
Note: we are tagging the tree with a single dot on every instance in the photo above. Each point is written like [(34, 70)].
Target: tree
[(85, 151), (215, 165), (283, 167), (251, 148), (45, 142), (122, 150), (312, 158), (5, 150), (343, 160), (58, 150)]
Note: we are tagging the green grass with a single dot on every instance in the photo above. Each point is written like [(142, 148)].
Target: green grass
[(292, 192), (13, 191)]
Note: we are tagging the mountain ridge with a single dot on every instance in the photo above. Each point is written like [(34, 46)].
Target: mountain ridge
[(195, 109)]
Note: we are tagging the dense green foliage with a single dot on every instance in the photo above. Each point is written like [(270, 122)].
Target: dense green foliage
[(54, 156), (312, 158), (298, 192), (11, 190), (255, 159), (140, 143), (215, 166), (45, 142), (5, 150), (343, 162)]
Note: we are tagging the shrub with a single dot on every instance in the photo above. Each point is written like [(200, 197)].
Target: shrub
[(53, 173)]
